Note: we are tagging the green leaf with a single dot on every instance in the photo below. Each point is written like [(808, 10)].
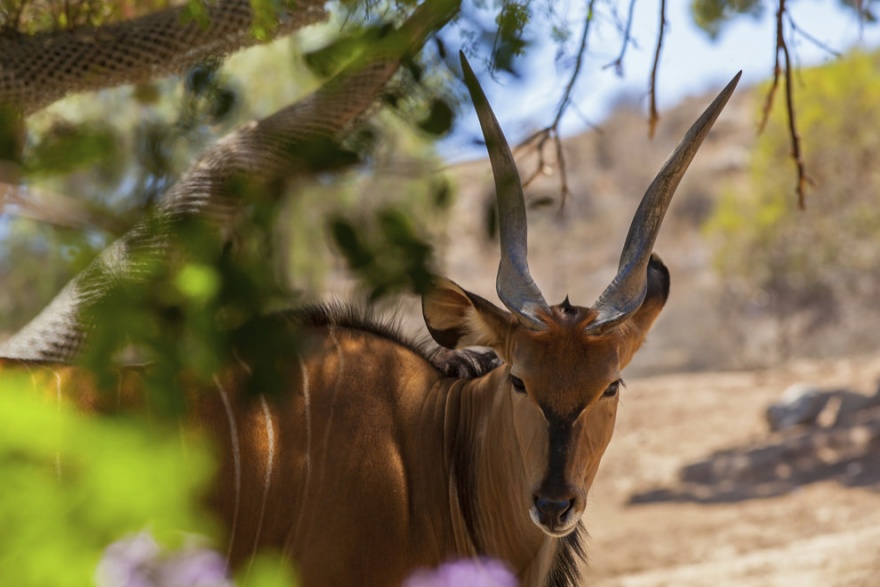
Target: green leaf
[(439, 120), (73, 483), (195, 11), (67, 148), (198, 282)]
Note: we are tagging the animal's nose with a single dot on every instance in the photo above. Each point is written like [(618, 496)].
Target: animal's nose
[(551, 511)]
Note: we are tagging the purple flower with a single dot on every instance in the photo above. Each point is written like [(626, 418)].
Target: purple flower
[(126, 563), (138, 561), (471, 572)]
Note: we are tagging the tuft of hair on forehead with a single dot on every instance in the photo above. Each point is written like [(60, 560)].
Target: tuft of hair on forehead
[(566, 308), (565, 319)]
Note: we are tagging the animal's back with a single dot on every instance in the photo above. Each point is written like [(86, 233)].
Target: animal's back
[(359, 458), (350, 436)]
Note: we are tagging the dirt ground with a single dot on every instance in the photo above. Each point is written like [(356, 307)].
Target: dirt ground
[(695, 491)]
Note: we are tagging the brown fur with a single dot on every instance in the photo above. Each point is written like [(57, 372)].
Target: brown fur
[(377, 462)]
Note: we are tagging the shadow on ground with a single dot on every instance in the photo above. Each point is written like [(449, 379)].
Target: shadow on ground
[(848, 453)]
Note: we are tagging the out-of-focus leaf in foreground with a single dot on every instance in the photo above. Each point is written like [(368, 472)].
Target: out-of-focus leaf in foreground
[(74, 483)]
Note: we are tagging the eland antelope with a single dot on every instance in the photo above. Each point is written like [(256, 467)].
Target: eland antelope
[(385, 456)]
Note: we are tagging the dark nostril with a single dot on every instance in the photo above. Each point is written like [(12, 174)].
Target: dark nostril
[(553, 508)]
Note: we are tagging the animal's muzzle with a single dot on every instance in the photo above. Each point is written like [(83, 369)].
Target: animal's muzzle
[(555, 514)]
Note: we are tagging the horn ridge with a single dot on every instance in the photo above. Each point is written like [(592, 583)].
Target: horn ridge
[(514, 283), (627, 291)]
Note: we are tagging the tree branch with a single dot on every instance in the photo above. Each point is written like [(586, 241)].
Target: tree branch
[(653, 116), (55, 209), (617, 64), (551, 132), (811, 38), (802, 179), (782, 48)]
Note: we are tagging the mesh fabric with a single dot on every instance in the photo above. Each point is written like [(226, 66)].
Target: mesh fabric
[(40, 69)]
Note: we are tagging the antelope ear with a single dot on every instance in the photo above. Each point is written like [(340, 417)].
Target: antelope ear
[(638, 325), (457, 318)]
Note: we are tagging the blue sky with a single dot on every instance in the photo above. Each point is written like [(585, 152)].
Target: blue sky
[(691, 63)]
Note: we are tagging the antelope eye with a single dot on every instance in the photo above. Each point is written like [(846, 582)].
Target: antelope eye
[(612, 389), (518, 384)]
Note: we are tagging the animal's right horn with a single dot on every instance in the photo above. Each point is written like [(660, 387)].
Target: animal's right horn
[(627, 292), (514, 284)]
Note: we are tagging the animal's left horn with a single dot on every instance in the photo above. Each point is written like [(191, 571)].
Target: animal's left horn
[(514, 283), (627, 292)]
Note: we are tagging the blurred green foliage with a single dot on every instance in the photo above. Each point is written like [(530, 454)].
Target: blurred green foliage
[(86, 182), (192, 308), (509, 42), (817, 262), (31, 16), (72, 484), (266, 570), (327, 60), (388, 257), (69, 147), (713, 15), (36, 260)]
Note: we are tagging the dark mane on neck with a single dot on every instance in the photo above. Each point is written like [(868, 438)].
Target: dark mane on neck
[(571, 556), (460, 364)]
